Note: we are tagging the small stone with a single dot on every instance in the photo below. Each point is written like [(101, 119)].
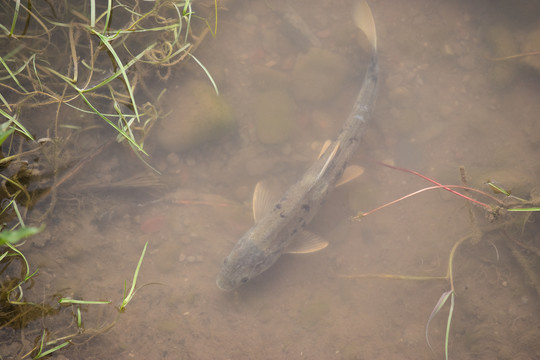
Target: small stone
[(198, 116)]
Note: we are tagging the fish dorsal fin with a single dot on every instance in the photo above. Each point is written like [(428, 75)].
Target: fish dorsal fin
[(324, 147), (305, 243), (363, 19), (351, 172), (264, 197)]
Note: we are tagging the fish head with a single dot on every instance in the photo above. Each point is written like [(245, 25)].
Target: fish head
[(245, 262)]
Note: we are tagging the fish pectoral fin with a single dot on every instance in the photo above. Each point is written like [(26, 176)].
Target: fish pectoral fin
[(324, 147), (329, 160), (264, 197), (305, 243), (351, 172)]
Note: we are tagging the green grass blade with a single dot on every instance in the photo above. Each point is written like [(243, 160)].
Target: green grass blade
[(28, 275), (207, 73), (105, 41), (129, 296), (186, 13), (119, 72), (20, 69), (19, 217), (15, 16), (97, 112), (83, 302), (4, 134), (6, 207), (436, 309), (4, 29), (214, 33), (118, 129), (79, 318), (92, 13), (497, 189), (525, 209), (36, 72), (178, 26), (11, 55), (50, 351), (41, 343), (4, 101), (109, 15), (450, 312), (146, 162), (12, 75), (20, 127)]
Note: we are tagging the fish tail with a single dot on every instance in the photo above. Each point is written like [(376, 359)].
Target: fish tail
[(363, 18)]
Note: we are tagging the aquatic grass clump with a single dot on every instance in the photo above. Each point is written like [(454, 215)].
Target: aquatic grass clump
[(16, 312), (112, 48), (66, 68)]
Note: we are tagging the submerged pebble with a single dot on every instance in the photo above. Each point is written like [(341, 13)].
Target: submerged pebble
[(198, 116)]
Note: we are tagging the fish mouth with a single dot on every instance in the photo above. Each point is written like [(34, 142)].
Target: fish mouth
[(224, 284)]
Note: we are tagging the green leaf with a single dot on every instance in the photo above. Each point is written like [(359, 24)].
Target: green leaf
[(14, 236)]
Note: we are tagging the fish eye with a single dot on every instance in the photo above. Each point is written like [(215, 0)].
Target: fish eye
[(244, 280)]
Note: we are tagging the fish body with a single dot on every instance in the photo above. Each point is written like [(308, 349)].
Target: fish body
[(262, 245)]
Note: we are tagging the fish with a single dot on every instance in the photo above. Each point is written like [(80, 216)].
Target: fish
[(279, 229)]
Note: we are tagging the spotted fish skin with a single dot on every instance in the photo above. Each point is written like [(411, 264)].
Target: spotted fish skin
[(262, 245)]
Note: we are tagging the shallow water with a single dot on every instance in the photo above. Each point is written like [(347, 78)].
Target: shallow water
[(441, 105)]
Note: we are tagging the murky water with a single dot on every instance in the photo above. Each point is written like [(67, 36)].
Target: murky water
[(442, 103)]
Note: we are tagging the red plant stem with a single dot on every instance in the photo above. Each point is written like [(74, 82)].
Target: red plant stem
[(446, 187)]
